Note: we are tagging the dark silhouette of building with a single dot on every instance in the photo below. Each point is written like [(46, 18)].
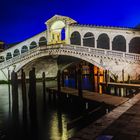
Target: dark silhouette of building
[(2, 44)]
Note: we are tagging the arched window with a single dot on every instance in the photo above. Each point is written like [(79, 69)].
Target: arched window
[(1, 59), (63, 34), (42, 41), (8, 56), (103, 41), (24, 49), (89, 40), (16, 52), (33, 45), (134, 45), (75, 38), (119, 43)]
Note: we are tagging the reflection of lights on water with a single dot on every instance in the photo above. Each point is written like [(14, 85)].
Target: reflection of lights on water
[(58, 126), (57, 129), (4, 100)]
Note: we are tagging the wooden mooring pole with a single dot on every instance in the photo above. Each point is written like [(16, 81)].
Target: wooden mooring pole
[(9, 90), (92, 80), (15, 106), (23, 86), (32, 92), (75, 77), (14, 83), (79, 74), (106, 80), (63, 79), (44, 84), (98, 80), (33, 103), (59, 83)]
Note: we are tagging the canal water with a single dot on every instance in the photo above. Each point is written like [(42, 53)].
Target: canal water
[(47, 122)]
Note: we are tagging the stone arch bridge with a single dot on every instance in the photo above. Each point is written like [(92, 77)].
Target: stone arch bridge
[(110, 48)]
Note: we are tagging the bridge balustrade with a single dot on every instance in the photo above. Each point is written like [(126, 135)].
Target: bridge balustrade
[(18, 58), (97, 51), (83, 49), (38, 49), (69, 47), (132, 56), (115, 54)]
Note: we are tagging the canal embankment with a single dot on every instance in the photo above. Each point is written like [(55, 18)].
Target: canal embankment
[(92, 96), (119, 124)]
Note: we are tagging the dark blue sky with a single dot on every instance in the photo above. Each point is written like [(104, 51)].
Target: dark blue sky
[(22, 19)]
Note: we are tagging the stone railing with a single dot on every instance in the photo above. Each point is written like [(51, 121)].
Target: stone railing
[(107, 53), (132, 56), (18, 58), (78, 49), (115, 54)]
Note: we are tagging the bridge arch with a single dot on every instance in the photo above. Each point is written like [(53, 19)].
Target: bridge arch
[(75, 38), (57, 31), (24, 49), (119, 43), (33, 44), (103, 41), (134, 45), (8, 55), (60, 53), (42, 41), (89, 40)]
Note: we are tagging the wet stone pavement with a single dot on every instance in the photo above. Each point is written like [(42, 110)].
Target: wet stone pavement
[(127, 126), (123, 123)]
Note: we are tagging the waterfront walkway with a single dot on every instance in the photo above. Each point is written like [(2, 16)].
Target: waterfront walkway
[(93, 96), (122, 85), (122, 123)]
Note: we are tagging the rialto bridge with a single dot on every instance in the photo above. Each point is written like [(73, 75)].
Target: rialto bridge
[(110, 48)]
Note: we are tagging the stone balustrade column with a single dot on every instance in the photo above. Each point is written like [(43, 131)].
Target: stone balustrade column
[(127, 44), (82, 36), (96, 38), (110, 42)]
